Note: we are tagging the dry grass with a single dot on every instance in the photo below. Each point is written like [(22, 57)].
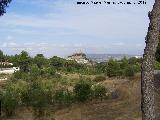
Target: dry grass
[(127, 107)]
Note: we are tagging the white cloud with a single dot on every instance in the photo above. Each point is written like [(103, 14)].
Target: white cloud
[(4, 45), (9, 37), (140, 45), (119, 44), (9, 44), (29, 44), (12, 44)]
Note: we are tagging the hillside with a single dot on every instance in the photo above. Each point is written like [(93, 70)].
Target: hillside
[(126, 107)]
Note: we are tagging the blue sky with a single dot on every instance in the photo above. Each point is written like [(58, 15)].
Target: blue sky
[(61, 27)]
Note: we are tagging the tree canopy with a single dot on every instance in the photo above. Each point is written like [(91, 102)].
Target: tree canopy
[(3, 5)]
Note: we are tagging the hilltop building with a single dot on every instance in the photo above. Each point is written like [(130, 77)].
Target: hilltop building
[(80, 58)]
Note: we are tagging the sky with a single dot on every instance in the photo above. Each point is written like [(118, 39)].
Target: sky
[(61, 27)]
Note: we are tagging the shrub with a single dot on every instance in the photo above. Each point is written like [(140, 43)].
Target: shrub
[(157, 65), (129, 71), (99, 91), (99, 78), (113, 68), (20, 75), (39, 98), (63, 96), (82, 90), (9, 103), (12, 96)]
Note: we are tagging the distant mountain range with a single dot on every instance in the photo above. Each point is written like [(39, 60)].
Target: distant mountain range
[(106, 57)]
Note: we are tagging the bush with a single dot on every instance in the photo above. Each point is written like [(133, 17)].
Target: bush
[(63, 96), (11, 96), (99, 91), (99, 78), (82, 90), (113, 68), (129, 71), (20, 75), (9, 103), (40, 98), (157, 65)]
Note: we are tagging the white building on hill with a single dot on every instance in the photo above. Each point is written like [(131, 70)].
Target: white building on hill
[(79, 58)]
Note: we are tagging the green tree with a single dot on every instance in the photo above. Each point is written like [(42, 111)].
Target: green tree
[(1, 55), (113, 68), (57, 62), (40, 60), (24, 61), (123, 63)]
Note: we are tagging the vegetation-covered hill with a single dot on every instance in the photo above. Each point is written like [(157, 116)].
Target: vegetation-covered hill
[(66, 90)]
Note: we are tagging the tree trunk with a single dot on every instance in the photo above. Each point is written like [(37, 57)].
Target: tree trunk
[(147, 76)]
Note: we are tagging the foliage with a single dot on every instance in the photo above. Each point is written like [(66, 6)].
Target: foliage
[(20, 75), (11, 97), (1, 55), (39, 97), (82, 90), (57, 62), (9, 103), (157, 65), (129, 71), (3, 5), (113, 68), (63, 96), (24, 61), (40, 60), (99, 78), (35, 72), (99, 91)]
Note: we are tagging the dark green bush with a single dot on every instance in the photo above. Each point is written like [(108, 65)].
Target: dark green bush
[(129, 71), (9, 103), (20, 75), (82, 90), (39, 99), (99, 78), (63, 96), (113, 68), (99, 91)]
